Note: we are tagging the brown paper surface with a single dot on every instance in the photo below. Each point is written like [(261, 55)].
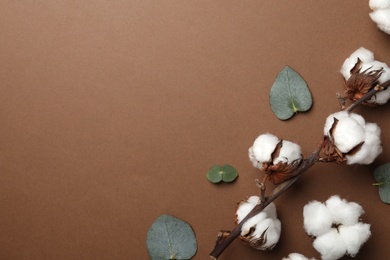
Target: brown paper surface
[(112, 112)]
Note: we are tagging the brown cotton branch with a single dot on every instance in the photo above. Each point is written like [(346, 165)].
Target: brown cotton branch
[(223, 243)]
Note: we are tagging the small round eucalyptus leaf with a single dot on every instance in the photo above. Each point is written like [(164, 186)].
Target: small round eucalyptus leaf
[(289, 94), (214, 174), (229, 174), (382, 176), (226, 173), (171, 238)]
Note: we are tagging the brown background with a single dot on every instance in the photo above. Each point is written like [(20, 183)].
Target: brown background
[(112, 112)]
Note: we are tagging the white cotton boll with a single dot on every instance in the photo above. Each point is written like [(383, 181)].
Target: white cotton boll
[(271, 229), (382, 18), (363, 54), (348, 134), (379, 4), (317, 219), (297, 256), (262, 148), (354, 236), (342, 211), (288, 153), (371, 147), (330, 245)]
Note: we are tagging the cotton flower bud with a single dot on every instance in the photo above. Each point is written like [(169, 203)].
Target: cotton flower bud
[(381, 14), (297, 256), (261, 231), (352, 140), (277, 158), (344, 236), (362, 73)]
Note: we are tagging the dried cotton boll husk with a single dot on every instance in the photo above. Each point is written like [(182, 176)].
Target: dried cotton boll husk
[(289, 152), (317, 219), (363, 54), (330, 245), (262, 149), (382, 18), (297, 256), (371, 147), (379, 4), (342, 211)]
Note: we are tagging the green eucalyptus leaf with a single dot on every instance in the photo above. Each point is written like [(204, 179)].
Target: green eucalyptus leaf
[(226, 173), (171, 238), (382, 176), (214, 174), (289, 94), (229, 174)]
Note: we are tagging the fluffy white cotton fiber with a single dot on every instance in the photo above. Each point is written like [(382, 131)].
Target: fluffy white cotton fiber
[(344, 235), (263, 225), (317, 218), (343, 212), (330, 245), (351, 130), (297, 256)]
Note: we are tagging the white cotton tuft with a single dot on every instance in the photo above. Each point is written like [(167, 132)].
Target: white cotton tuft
[(297, 256), (330, 245), (270, 229), (379, 4), (382, 18), (351, 130), (342, 211), (317, 218), (330, 119), (288, 153), (354, 236), (262, 149), (363, 54), (348, 134), (371, 147), (246, 206)]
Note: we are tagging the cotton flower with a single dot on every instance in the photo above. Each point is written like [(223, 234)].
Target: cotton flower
[(344, 235), (362, 73), (261, 231), (352, 140), (381, 14), (297, 256), (277, 158)]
